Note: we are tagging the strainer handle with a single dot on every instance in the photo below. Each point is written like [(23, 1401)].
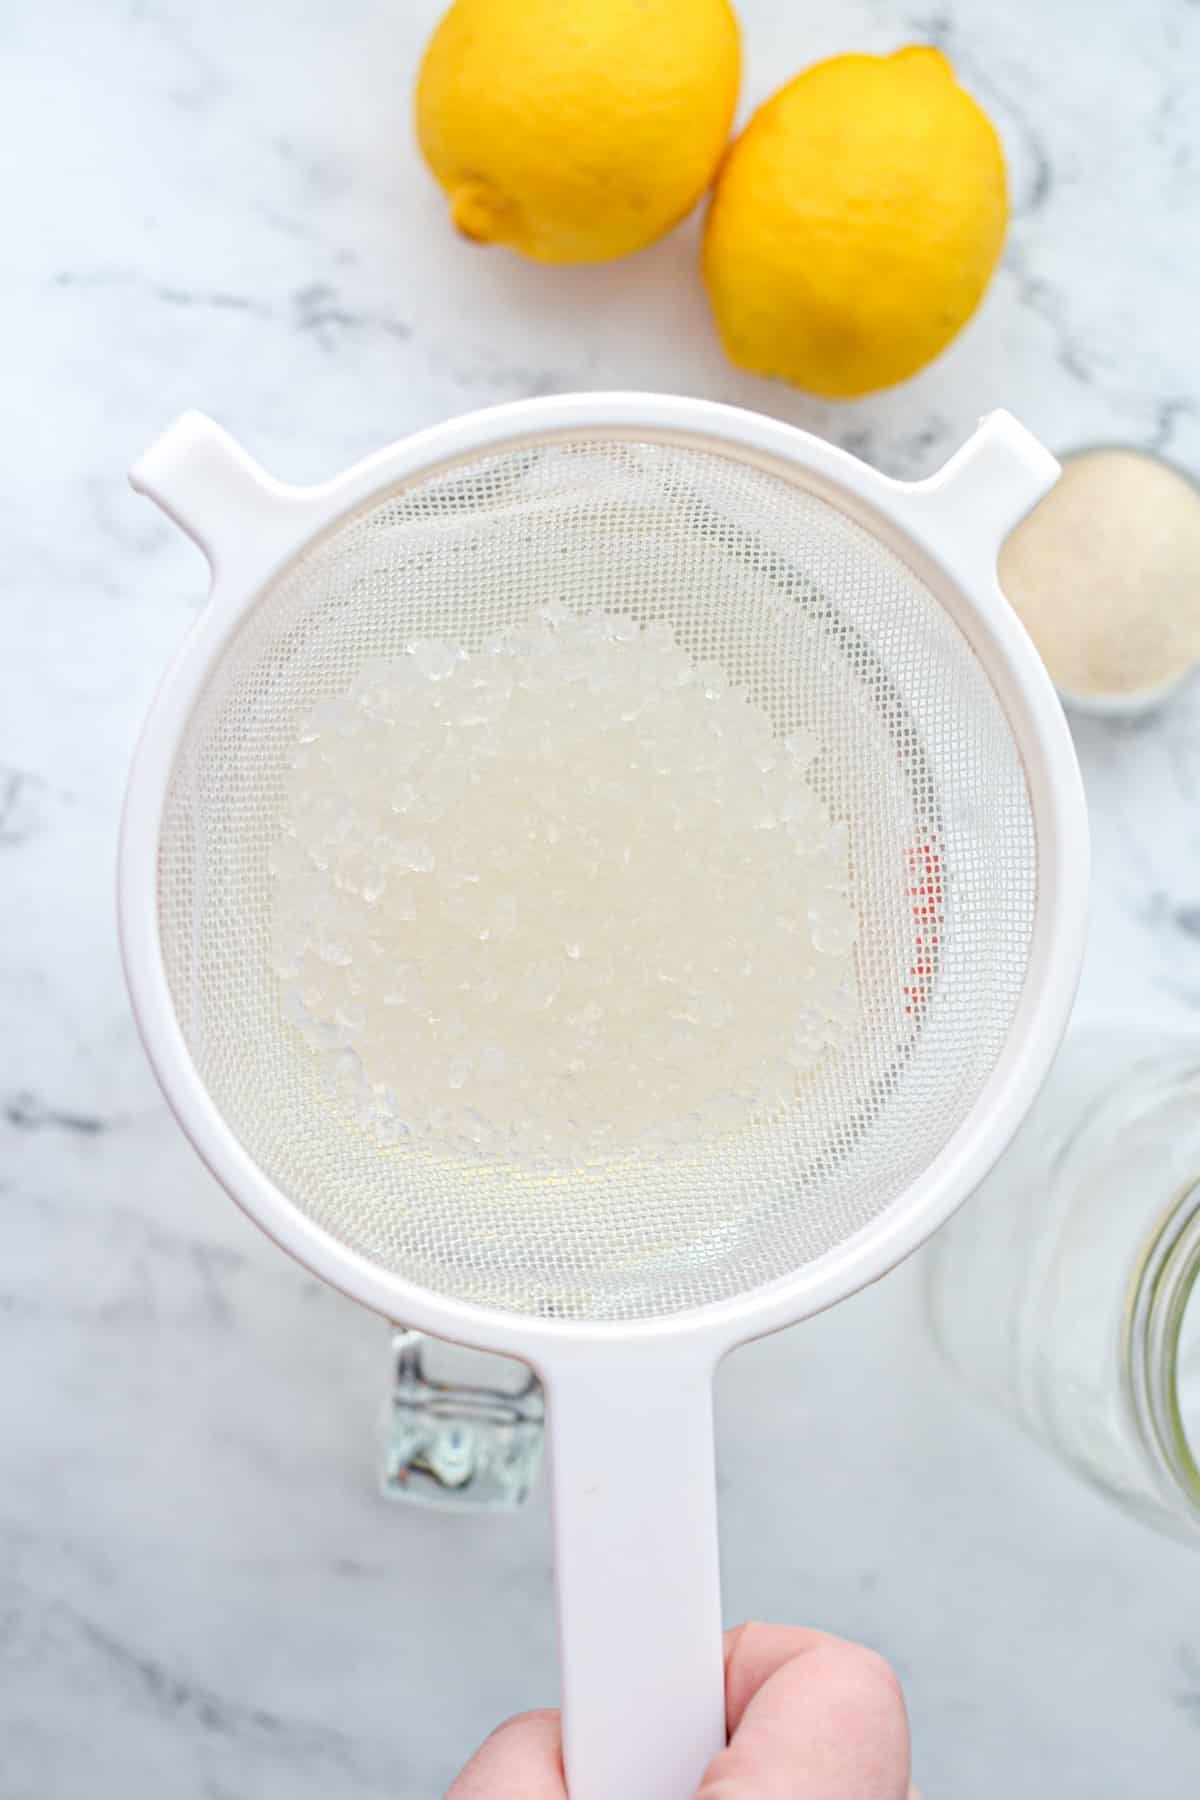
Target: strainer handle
[(967, 509), (635, 1518), (243, 519)]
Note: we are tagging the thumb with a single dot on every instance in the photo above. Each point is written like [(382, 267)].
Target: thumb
[(809, 1714), (522, 1760)]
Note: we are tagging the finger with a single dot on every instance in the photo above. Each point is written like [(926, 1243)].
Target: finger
[(810, 1715), (754, 1652), (520, 1761)]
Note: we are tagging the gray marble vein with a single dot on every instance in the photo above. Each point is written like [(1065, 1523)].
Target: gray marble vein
[(201, 1595)]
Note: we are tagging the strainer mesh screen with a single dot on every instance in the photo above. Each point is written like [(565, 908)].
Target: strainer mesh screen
[(829, 631)]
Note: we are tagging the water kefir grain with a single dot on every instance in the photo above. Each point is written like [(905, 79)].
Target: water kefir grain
[(559, 899)]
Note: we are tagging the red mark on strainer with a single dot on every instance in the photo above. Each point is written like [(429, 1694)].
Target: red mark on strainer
[(925, 895)]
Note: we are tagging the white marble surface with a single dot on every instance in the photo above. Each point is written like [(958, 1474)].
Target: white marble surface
[(201, 1596)]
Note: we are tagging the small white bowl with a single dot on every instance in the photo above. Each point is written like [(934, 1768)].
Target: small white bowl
[(1144, 701)]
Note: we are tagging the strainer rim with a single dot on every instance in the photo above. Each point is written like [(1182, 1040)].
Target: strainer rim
[(920, 522)]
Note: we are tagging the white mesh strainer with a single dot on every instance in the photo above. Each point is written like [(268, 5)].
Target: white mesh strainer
[(861, 609)]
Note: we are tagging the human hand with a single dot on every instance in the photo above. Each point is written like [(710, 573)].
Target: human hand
[(810, 1717)]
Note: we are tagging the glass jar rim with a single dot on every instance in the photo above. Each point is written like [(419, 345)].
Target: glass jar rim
[(1165, 1283)]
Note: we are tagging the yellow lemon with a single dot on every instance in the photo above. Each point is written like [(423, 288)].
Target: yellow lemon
[(856, 223), (577, 130)]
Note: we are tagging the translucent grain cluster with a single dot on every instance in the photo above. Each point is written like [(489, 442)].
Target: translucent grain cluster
[(559, 898)]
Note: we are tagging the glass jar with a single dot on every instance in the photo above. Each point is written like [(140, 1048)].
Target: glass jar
[(1067, 1291), (462, 1429)]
